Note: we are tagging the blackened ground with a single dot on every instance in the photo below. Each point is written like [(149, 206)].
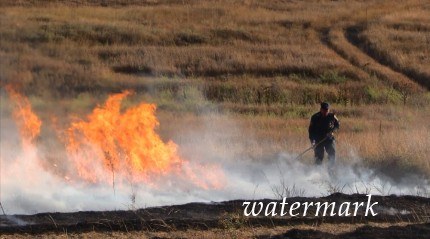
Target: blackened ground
[(417, 231), (205, 216)]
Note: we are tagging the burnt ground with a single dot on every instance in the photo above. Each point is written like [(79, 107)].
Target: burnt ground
[(392, 210)]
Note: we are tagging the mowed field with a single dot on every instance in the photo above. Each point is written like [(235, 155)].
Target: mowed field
[(259, 69)]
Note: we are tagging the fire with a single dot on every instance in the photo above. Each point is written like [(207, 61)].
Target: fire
[(28, 122), (111, 145), (127, 145), (124, 142)]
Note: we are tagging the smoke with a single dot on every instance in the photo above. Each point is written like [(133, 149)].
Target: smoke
[(30, 183), (6, 220)]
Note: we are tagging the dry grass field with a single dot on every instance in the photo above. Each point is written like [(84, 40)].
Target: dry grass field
[(265, 65), (248, 74)]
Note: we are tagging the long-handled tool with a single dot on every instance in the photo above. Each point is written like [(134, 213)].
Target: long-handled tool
[(1, 206), (312, 147)]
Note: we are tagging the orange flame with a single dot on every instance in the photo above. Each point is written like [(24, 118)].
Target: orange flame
[(110, 142), (126, 144), (28, 122)]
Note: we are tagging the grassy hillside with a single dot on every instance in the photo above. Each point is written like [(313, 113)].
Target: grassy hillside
[(265, 64)]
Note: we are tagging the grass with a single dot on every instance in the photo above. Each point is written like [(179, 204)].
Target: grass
[(395, 30), (243, 232), (375, 134), (264, 65)]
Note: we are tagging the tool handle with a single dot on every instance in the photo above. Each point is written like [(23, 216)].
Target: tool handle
[(312, 147)]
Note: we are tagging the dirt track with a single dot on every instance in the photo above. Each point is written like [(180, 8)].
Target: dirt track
[(224, 215)]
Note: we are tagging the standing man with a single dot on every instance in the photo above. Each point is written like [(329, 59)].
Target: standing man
[(321, 128)]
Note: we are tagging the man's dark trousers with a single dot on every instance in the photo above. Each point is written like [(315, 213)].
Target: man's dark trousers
[(328, 145)]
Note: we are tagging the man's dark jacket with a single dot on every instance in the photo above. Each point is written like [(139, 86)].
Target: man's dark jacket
[(320, 126)]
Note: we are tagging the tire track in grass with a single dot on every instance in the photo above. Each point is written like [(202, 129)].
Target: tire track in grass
[(335, 39), (354, 36)]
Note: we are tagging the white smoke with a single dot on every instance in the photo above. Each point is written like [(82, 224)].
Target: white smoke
[(28, 188)]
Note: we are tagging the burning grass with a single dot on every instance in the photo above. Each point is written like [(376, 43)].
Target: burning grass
[(125, 144), (232, 83)]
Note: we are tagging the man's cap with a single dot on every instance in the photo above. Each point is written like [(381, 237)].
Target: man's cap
[(325, 105)]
